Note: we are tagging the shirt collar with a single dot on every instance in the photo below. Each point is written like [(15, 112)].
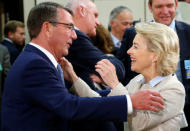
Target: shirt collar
[(115, 40), (47, 53), (76, 28), (7, 39), (154, 81), (172, 25)]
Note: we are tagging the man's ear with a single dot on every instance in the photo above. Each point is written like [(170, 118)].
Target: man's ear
[(112, 22), (47, 28), (176, 3), (11, 35), (82, 10), (150, 7)]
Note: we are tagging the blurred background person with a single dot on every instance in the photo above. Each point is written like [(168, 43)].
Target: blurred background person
[(103, 40), (14, 40), (120, 19)]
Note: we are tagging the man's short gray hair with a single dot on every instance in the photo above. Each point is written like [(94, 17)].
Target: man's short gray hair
[(115, 12), (74, 4)]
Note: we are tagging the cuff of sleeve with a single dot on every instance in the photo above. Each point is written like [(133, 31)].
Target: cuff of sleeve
[(118, 90), (129, 105), (83, 90)]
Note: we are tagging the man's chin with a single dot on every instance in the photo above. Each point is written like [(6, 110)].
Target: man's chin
[(166, 22), (65, 53)]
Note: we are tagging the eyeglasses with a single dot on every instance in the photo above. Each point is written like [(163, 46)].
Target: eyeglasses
[(69, 26)]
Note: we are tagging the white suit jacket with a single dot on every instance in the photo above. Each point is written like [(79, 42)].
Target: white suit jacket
[(170, 119)]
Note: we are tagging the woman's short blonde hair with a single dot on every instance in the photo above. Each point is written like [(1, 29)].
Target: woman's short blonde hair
[(164, 42)]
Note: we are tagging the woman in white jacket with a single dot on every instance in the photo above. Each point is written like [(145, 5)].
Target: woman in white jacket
[(155, 55)]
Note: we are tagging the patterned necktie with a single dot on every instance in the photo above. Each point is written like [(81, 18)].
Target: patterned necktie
[(60, 71), (119, 43)]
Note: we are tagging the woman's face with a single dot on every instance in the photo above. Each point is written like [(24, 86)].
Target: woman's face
[(141, 58)]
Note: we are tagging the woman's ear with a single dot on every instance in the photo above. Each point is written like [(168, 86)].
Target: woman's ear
[(155, 58)]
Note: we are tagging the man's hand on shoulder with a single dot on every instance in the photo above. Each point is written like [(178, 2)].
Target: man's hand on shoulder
[(147, 100)]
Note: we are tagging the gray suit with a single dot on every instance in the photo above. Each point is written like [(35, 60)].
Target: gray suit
[(5, 65)]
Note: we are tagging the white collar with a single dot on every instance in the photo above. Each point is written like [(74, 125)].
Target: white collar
[(172, 25), (7, 39), (47, 53)]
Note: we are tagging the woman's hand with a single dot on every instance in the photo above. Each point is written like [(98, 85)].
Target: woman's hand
[(96, 79), (107, 71), (69, 73)]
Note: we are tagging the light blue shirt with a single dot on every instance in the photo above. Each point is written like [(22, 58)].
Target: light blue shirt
[(115, 40), (156, 80)]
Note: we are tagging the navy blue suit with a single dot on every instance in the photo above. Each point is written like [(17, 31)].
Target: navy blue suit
[(13, 49), (35, 99), (84, 55), (183, 32)]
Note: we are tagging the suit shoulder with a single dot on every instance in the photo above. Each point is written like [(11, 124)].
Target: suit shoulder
[(172, 83), (182, 25), (3, 47), (130, 30)]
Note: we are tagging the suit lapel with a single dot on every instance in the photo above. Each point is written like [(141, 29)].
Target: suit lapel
[(31, 48)]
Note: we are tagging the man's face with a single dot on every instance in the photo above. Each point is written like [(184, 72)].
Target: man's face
[(18, 37), (62, 35), (91, 19), (163, 11), (123, 21)]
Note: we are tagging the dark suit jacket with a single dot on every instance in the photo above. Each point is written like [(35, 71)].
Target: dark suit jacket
[(13, 49), (35, 99), (84, 55)]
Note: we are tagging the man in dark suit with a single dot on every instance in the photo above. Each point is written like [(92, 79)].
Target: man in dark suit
[(83, 54), (14, 38), (164, 12), (35, 97)]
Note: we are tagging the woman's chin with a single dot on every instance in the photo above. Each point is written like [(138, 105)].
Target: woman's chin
[(133, 69)]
